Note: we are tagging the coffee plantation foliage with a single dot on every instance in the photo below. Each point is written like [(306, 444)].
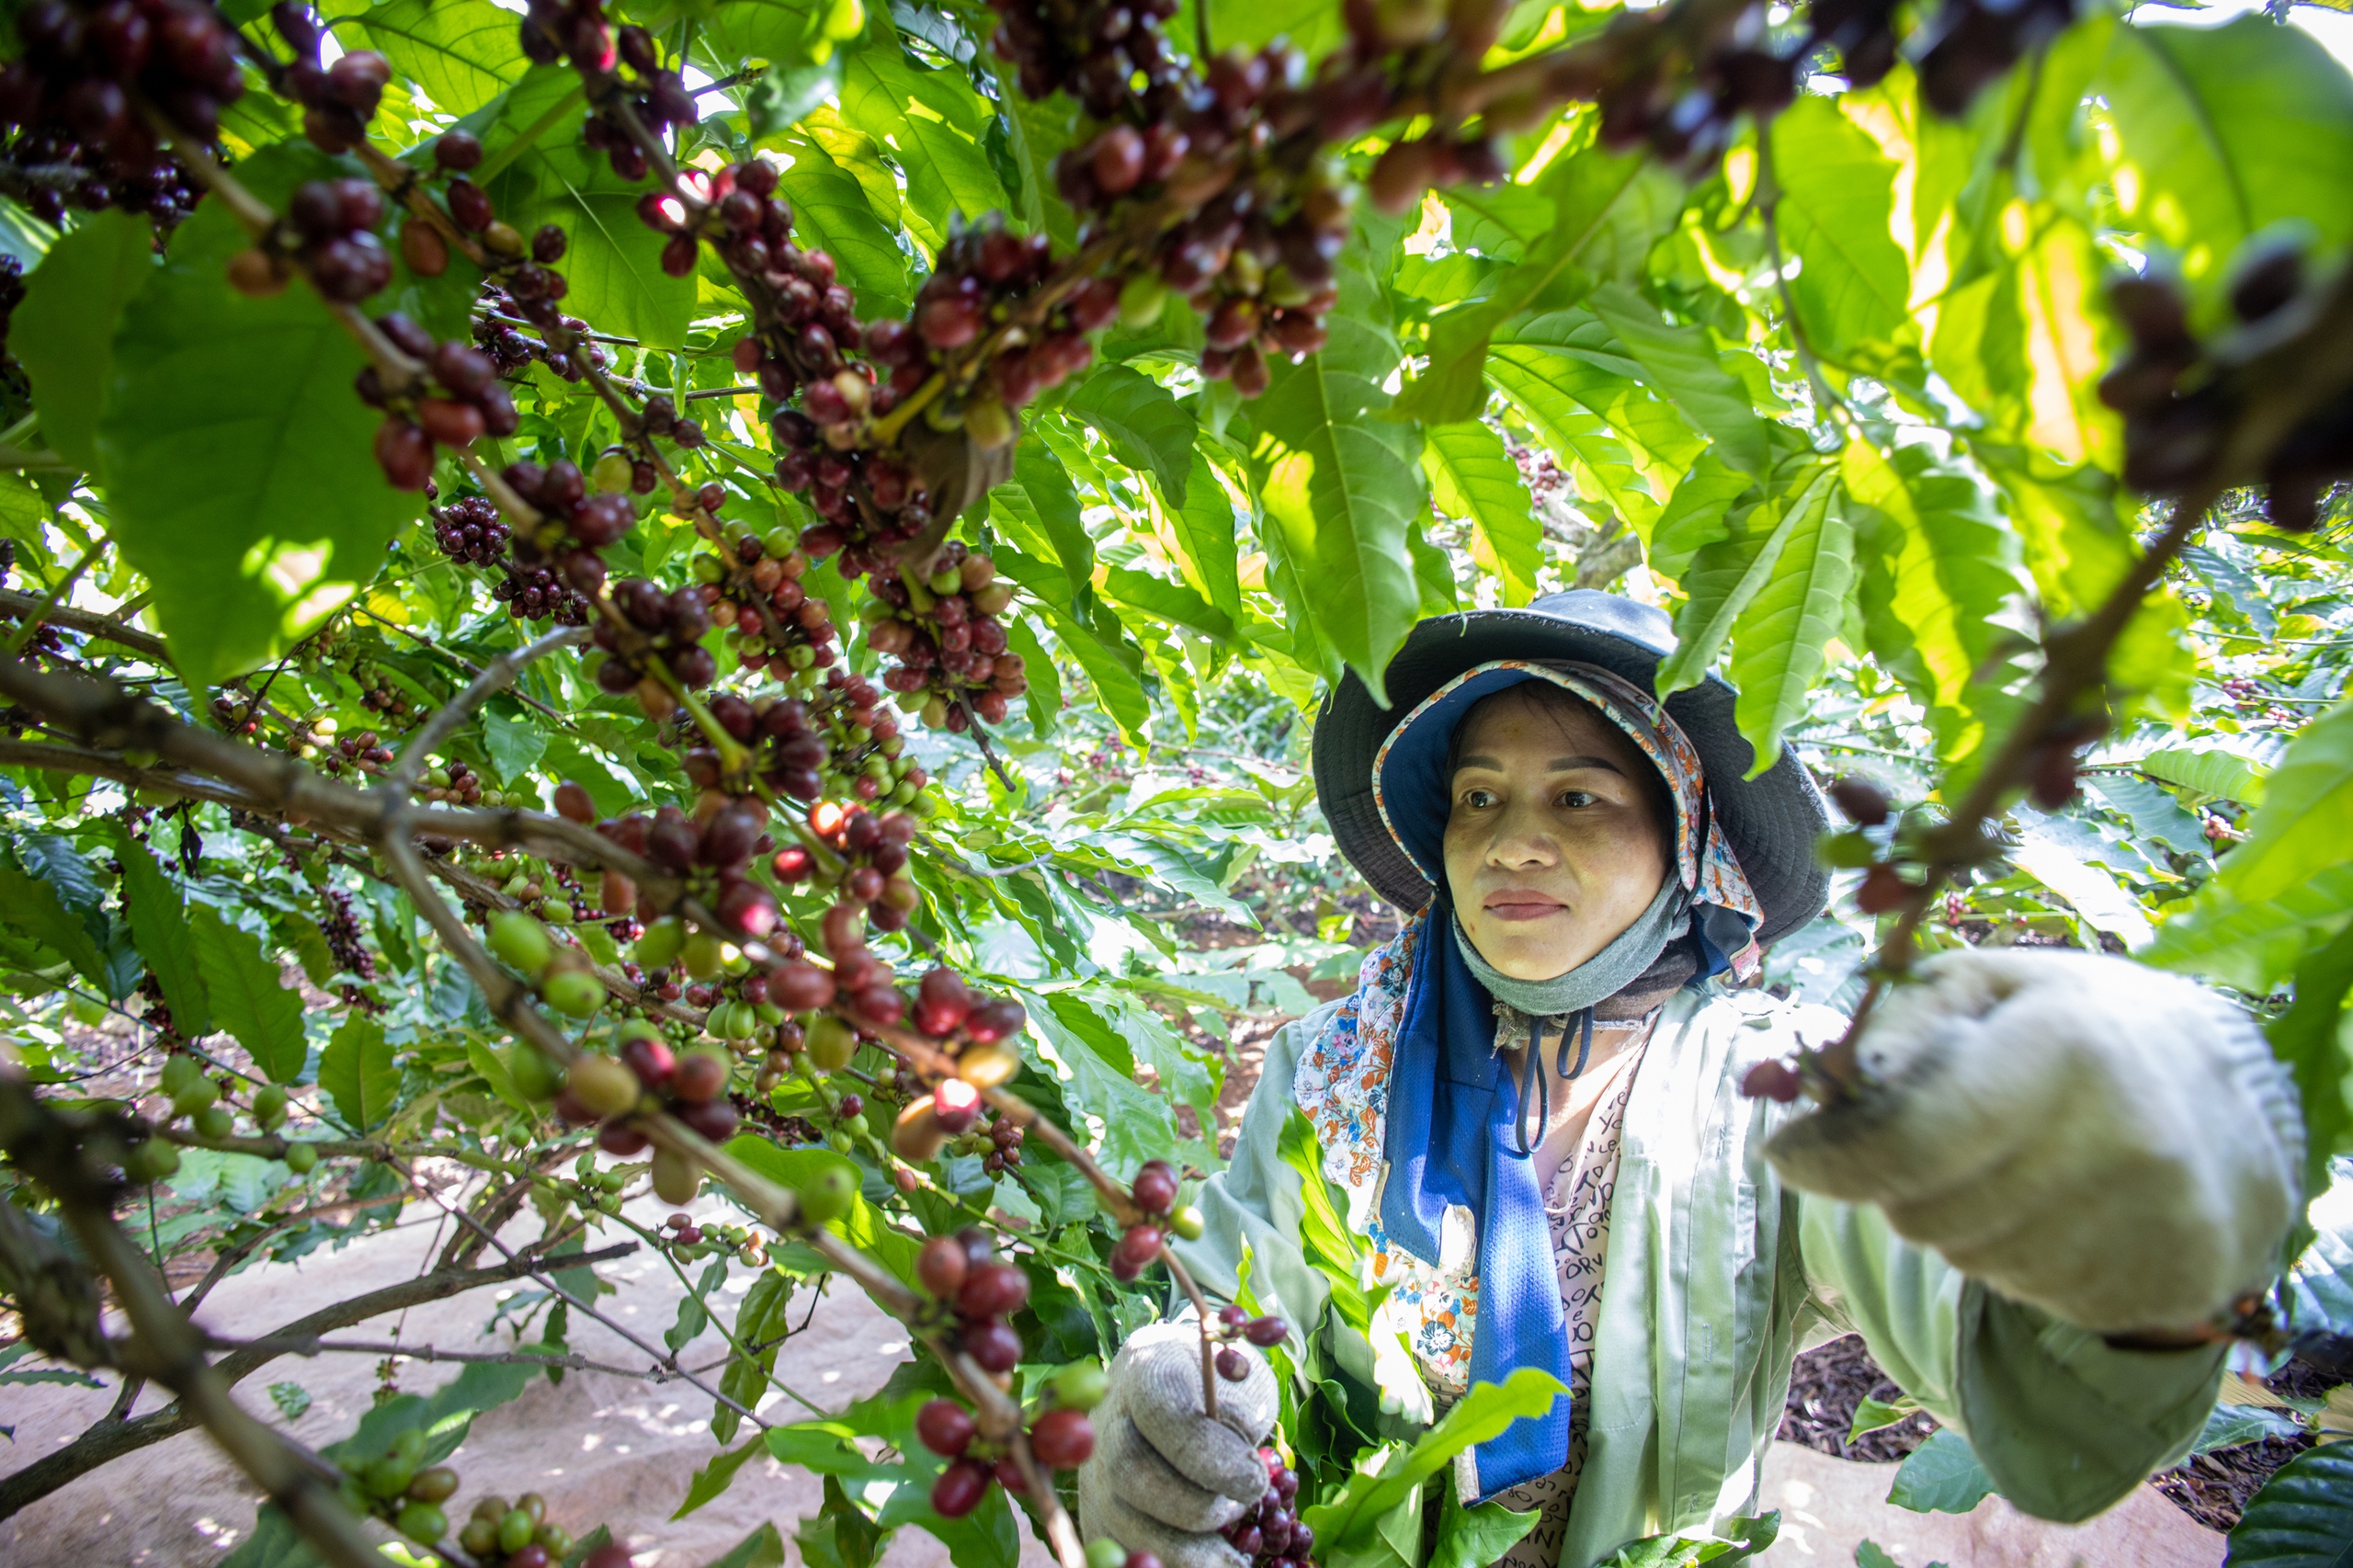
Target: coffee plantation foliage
[(816, 532)]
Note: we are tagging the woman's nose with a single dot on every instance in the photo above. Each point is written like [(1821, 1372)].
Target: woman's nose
[(1523, 838)]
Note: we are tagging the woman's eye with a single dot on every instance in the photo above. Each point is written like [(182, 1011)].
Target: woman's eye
[(1576, 798), (1478, 799)]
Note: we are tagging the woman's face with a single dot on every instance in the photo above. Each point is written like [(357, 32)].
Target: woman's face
[(1554, 841)]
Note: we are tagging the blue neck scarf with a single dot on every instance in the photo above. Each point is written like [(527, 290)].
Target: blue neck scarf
[(1453, 1137)]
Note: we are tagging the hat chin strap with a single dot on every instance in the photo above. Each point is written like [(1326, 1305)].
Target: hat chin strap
[(1570, 998)]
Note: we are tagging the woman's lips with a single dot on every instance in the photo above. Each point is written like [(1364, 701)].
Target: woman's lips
[(1521, 903)]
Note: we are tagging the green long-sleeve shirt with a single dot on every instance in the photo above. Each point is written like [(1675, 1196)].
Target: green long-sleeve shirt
[(1717, 1274)]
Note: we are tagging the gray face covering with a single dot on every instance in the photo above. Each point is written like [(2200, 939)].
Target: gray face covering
[(1570, 998), (1603, 975)]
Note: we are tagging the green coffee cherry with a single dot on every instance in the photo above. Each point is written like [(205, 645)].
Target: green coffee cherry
[(435, 1484), (388, 1477), (302, 1158), (556, 911), (422, 1521), (575, 993), (703, 953), (480, 1537), (828, 1194), (515, 1532), (269, 1107), (832, 1043), (152, 1161), (603, 1085), (195, 1097), (1188, 1223), (1081, 1387), (179, 1073), (521, 941), (214, 1121), (612, 473), (1105, 1552), (659, 946)]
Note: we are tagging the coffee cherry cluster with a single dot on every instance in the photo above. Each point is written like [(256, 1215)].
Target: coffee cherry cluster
[(869, 873), (754, 588), (867, 503), (90, 74), (43, 169), (576, 28), (953, 661), (465, 403), (559, 971), (362, 752), (840, 743), (1262, 217), (398, 1486), (575, 521), (2179, 402), (1235, 1322), (514, 352), (692, 1089), (337, 100), (470, 531), (499, 1535), (738, 209), (1090, 48), (1272, 1535), (689, 1242), (452, 783), (712, 852), (692, 1086), (1060, 1437), (976, 1294), (328, 232), (983, 272), (1154, 1190), (340, 926)]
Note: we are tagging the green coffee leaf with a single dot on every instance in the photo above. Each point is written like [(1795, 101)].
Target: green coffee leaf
[(1942, 1476), (159, 923), (358, 1073), (1342, 485), (1149, 429), (64, 330), (240, 469), (1473, 478)]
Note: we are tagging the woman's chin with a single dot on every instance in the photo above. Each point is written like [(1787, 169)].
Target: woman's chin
[(1530, 956)]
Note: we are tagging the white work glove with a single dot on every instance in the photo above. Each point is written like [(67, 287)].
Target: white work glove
[(2108, 1142), (1164, 1477)]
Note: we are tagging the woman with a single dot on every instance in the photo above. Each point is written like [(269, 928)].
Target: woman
[(2064, 1170)]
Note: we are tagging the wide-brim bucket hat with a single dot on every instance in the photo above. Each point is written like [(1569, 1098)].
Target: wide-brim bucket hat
[(1770, 822)]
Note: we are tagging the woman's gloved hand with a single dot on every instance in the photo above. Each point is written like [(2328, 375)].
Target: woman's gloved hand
[(2104, 1140), (1165, 1478)]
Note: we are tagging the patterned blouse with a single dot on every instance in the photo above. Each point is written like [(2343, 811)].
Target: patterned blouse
[(1577, 1204)]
